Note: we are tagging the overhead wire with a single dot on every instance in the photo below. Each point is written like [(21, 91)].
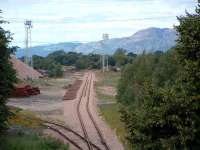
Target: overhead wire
[(65, 21)]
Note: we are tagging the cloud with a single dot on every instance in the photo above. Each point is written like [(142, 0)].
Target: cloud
[(73, 20)]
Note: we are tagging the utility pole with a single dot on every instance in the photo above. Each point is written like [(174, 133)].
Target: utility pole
[(103, 62), (107, 64), (28, 58), (105, 38)]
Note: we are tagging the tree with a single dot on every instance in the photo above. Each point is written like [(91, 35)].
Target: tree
[(188, 53), (120, 57), (82, 63), (188, 48), (94, 61), (130, 57), (57, 56), (166, 115), (55, 70), (7, 75), (111, 61), (71, 58), (159, 69)]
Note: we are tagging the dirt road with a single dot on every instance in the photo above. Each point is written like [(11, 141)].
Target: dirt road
[(81, 115)]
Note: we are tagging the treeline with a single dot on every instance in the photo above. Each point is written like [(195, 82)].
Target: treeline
[(160, 94), (161, 69), (54, 61), (78, 60), (51, 68)]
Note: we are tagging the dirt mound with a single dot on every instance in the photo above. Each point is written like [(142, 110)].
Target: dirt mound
[(72, 90), (23, 70)]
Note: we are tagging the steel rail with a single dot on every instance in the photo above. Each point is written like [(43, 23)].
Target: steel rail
[(72, 131), (80, 117), (103, 141)]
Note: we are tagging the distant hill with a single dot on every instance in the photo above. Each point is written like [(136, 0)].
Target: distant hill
[(44, 50), (150, 39)]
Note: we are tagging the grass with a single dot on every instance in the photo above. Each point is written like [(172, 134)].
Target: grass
[(112, 116), (48, 82), (30, 141), (108, 78), (110, 112), (25, 133), (103, 97), (24, 118)]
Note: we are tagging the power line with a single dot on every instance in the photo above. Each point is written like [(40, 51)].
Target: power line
[(41, 42), (142, 19), (64, 21)]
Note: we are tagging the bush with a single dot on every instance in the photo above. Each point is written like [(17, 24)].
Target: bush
[(53, 69), (163, 94), (29, 141), (7, 75)]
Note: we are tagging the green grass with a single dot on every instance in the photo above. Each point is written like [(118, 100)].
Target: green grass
[(25, 133), (30, 141), (110, 112), (108, 78), (112, 116), (24, 118), (103, 97)]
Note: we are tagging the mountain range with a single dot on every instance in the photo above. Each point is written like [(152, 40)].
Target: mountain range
[(150, 40)]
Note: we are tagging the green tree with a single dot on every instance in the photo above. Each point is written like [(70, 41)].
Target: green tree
[(130, 57), (57, 56), (159, 69), (94, 61), (82, 63), (111, 61), (120, 57), (188, 52), (166, 114), (55, 70), (7, 75), (71, 58)]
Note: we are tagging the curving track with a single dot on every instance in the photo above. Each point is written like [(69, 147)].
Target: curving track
[(83, 104), (58, 127), (103, 141), (80, 116)]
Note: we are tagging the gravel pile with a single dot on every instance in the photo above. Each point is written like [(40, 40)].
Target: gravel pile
[(23, 70)]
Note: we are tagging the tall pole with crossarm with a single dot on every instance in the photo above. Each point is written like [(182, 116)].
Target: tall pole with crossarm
[(105, 38), (28, 26)]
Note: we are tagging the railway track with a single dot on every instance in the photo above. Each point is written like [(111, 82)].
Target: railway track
[(64, 136), (56, 128), (85, 93), (103, 141)]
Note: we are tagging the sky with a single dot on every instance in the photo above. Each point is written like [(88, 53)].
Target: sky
[(57, 21)]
